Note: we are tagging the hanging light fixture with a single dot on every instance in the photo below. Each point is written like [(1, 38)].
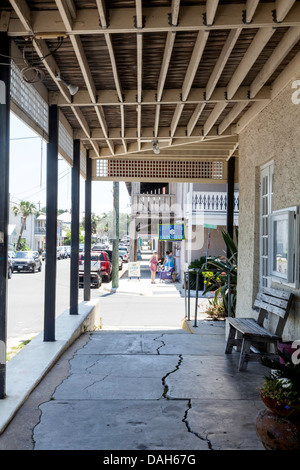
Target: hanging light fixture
[(72, 88), (155, 147)]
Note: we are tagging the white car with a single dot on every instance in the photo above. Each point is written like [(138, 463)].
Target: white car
[(124, 255)]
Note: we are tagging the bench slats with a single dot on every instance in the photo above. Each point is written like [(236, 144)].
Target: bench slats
[(280, 294), (246, 331), (282, 303), (248, 326), (270, 308)]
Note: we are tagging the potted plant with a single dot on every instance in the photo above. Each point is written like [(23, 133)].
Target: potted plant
[(278, 426), (223, 280)]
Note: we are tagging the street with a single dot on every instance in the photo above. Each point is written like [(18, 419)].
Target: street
[(25, 313)]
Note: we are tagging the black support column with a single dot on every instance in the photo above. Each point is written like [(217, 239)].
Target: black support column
[(87, 228), (75, 229), (51, 226), (4, 199), (230, 196)]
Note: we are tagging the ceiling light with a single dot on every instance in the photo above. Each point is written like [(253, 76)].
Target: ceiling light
[(72, 88), (155, 147)]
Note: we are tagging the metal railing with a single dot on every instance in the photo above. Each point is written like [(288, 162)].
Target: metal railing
[(187, 292)]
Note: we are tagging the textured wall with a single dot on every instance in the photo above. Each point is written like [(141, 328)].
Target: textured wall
[(273, 135)]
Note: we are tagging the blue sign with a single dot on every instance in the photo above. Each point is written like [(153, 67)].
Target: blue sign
[(171, 232)]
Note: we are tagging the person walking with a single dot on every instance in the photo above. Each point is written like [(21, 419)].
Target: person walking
[(153, 262)]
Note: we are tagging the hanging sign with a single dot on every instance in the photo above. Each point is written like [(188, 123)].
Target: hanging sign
[(171, 232)]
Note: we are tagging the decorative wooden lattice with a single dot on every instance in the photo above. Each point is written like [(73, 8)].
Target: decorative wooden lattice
[(158, 169)]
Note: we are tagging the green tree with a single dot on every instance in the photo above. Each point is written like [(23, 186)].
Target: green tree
[(25, 208)]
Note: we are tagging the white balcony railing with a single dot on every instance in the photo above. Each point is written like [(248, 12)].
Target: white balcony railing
[(152, 203), (212, 202)]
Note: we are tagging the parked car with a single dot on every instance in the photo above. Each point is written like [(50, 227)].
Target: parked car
[(10, 266), (100, 247), (27, 261), (43, 255), (120, 263), (68, 249), (99, 262), (123, 253), (95, 270), (63, 252)]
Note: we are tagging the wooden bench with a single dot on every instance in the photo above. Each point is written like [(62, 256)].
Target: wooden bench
[(250, 336)]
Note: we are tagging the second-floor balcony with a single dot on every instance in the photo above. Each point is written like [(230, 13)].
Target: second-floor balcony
[(40, 230), (152, 203), (215, 202)]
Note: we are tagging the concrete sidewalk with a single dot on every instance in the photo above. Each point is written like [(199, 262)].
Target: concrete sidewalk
[(142, 382)]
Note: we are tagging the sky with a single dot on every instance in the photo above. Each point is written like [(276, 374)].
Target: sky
[(27, 180)]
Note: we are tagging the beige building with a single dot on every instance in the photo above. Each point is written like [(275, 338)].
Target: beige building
[(269, 168)]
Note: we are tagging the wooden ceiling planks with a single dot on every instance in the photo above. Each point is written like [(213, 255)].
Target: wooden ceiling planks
[(143, 61)]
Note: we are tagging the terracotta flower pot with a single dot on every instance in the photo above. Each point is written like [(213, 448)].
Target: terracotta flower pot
[(277, 433), (289, 412)]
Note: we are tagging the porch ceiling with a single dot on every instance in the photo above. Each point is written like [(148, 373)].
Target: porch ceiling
[(189, 74)]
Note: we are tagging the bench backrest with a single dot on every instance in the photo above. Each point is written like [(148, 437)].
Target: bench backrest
[(277, 302)]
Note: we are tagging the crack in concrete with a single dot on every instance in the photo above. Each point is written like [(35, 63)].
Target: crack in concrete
[(185, 418), (162, 345), (185, 421)]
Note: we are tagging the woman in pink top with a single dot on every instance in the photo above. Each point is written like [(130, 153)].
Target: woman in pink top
[(153, 262)]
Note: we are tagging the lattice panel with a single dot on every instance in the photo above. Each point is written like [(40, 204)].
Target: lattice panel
[(65, 141), (158, 169), (28, 99)]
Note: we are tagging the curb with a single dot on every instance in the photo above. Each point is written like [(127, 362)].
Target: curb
[(25, 370), (186, 325)]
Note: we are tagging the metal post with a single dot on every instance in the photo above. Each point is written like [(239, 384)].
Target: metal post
[(75, 229), (115, 255), (230, 197), (196, 301), (189, 297), (51, 226), (88, 228), (229, 295), (4, 199), (184, 283)]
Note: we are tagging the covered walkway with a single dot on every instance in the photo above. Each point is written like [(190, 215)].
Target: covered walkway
[(142, 383)]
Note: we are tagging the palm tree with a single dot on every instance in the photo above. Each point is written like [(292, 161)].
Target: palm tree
[(25, 208)]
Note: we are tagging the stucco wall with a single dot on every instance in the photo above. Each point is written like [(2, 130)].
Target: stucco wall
[(274, 135)]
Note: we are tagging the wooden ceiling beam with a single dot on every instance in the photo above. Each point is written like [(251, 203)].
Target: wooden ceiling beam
[(102, 13), (170, 97), (282, 8), (222, 61), (251, 7), (230, 16), (214, 115), (194, 119), (232, 115), (84, 67), (198, 50), (289, 40), (147, 134), (257, 45), (211, 8)]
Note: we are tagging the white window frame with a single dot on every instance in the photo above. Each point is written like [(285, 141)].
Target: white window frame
[(290, 217), (266, 196)]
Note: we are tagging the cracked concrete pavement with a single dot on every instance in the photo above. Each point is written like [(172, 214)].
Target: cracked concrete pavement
[(145, 387)]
